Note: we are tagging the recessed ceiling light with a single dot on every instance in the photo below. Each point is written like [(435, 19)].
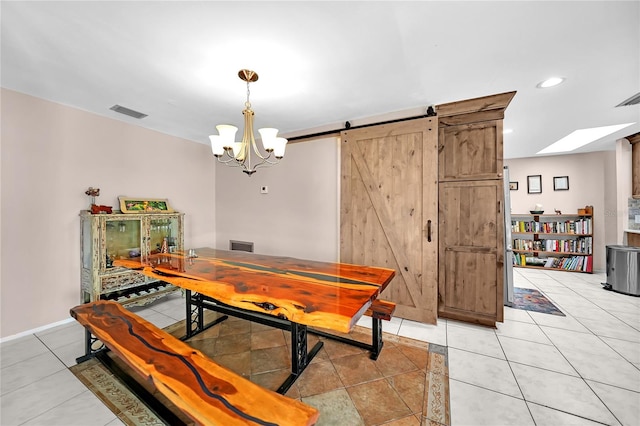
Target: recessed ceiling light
[(581, 137), (550, 82)]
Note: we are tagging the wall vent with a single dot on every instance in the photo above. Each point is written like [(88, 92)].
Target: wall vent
[(127, 111), (241, 246), (634, 100)]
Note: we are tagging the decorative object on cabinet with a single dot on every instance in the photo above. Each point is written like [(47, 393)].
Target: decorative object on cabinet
[(96, 209), (534, 184), (144, 205), (238, 154), (513, 186), (559, 241), (106, 237), (561, 183)]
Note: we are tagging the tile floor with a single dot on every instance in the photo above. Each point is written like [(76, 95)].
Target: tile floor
[(533, 369)]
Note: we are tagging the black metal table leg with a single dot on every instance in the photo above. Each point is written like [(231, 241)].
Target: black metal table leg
[(300, 358), (376, 344)]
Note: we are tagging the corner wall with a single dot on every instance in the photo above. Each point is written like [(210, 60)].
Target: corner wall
[(50, 155)]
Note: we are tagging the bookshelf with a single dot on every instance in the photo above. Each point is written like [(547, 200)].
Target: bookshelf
[(561, 242)]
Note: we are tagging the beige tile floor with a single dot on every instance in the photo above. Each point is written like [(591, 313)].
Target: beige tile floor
[(533, 369)]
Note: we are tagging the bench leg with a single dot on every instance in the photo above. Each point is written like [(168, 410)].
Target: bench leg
[(91, 347), (376, 336)]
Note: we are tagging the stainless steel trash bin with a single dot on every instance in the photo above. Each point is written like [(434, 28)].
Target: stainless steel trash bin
[(622, 269)]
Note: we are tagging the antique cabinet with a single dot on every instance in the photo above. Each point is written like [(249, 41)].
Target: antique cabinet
[(471, 208), (106, 237)]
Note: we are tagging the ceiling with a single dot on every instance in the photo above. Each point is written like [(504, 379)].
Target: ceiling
[(324, 63)]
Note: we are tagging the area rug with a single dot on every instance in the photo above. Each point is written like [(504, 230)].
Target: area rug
[(532, 300), (407, 385)]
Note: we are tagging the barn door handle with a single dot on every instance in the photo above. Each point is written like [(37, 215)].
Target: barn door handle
[(429, 230), (499, 206)]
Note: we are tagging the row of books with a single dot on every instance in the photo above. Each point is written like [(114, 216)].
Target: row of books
[(578, 245), (581, 226), (570, 263)]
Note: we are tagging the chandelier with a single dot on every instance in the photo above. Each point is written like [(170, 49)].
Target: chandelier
[(238, 154)]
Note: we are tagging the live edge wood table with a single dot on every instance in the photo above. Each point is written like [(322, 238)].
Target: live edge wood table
[(283, 292)]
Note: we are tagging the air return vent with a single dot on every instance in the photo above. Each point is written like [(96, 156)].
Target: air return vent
[(127, 111), (634, 100), (241, 246)]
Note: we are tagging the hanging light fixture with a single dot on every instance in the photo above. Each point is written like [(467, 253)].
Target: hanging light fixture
[(238, 154)]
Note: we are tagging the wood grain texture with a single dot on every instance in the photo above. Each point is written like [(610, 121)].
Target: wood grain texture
[(471, 251), (468, 106), (207, 392), (320, 294), (388, 197), (381, 309)]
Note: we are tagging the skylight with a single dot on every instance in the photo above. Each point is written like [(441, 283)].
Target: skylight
[(582, 137)]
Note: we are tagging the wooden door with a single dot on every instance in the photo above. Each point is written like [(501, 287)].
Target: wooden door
[(471, 251), (388, 209)]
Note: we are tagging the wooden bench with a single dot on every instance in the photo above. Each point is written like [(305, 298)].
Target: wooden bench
[(378, 311), (206, 392)]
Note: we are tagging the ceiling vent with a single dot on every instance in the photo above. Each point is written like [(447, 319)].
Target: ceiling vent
[(127, 111), (634, 100)]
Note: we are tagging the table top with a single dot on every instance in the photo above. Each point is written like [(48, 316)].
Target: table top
[(321, 294)]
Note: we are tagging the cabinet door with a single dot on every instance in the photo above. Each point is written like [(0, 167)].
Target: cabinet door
[(121, 239), (157, 228), (470, 151), (388, 211), (471, 258)]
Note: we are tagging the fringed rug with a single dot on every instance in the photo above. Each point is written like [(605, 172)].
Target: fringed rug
[(407, 385), (532, 300)]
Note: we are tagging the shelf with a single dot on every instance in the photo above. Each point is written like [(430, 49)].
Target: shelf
[(550, 269), (561, 253), (552, 233), (550, 215)]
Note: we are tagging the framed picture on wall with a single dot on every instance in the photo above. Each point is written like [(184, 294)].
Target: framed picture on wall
[(561, 183), (534, 184), (513, 186)]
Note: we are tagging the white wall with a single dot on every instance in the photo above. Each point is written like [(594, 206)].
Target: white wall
[(299, 217), (50, 155), (590, 179)]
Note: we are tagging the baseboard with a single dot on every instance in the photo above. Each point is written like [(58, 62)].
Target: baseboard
[(35, 330)]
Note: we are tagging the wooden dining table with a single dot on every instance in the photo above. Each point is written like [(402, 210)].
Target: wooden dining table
[(283, 292)]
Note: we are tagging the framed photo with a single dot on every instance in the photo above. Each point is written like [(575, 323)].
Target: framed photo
[(561, 183), (513, 186), (144, 205), (534, 184)]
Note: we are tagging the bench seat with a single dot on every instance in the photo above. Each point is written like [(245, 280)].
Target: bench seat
[(205, 391), (381, 309), (378, 310)]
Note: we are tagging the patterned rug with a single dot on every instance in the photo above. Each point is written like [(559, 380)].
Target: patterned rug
[(407, 385), (532, 300)]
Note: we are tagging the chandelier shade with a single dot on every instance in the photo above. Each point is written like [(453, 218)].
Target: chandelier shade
[(239, 154)]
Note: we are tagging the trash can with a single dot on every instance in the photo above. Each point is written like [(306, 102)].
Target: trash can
[(622, 269)]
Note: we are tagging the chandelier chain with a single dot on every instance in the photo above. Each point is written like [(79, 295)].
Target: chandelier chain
[(248, 103)]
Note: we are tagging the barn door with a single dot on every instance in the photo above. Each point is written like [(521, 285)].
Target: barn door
[(389, 207)]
